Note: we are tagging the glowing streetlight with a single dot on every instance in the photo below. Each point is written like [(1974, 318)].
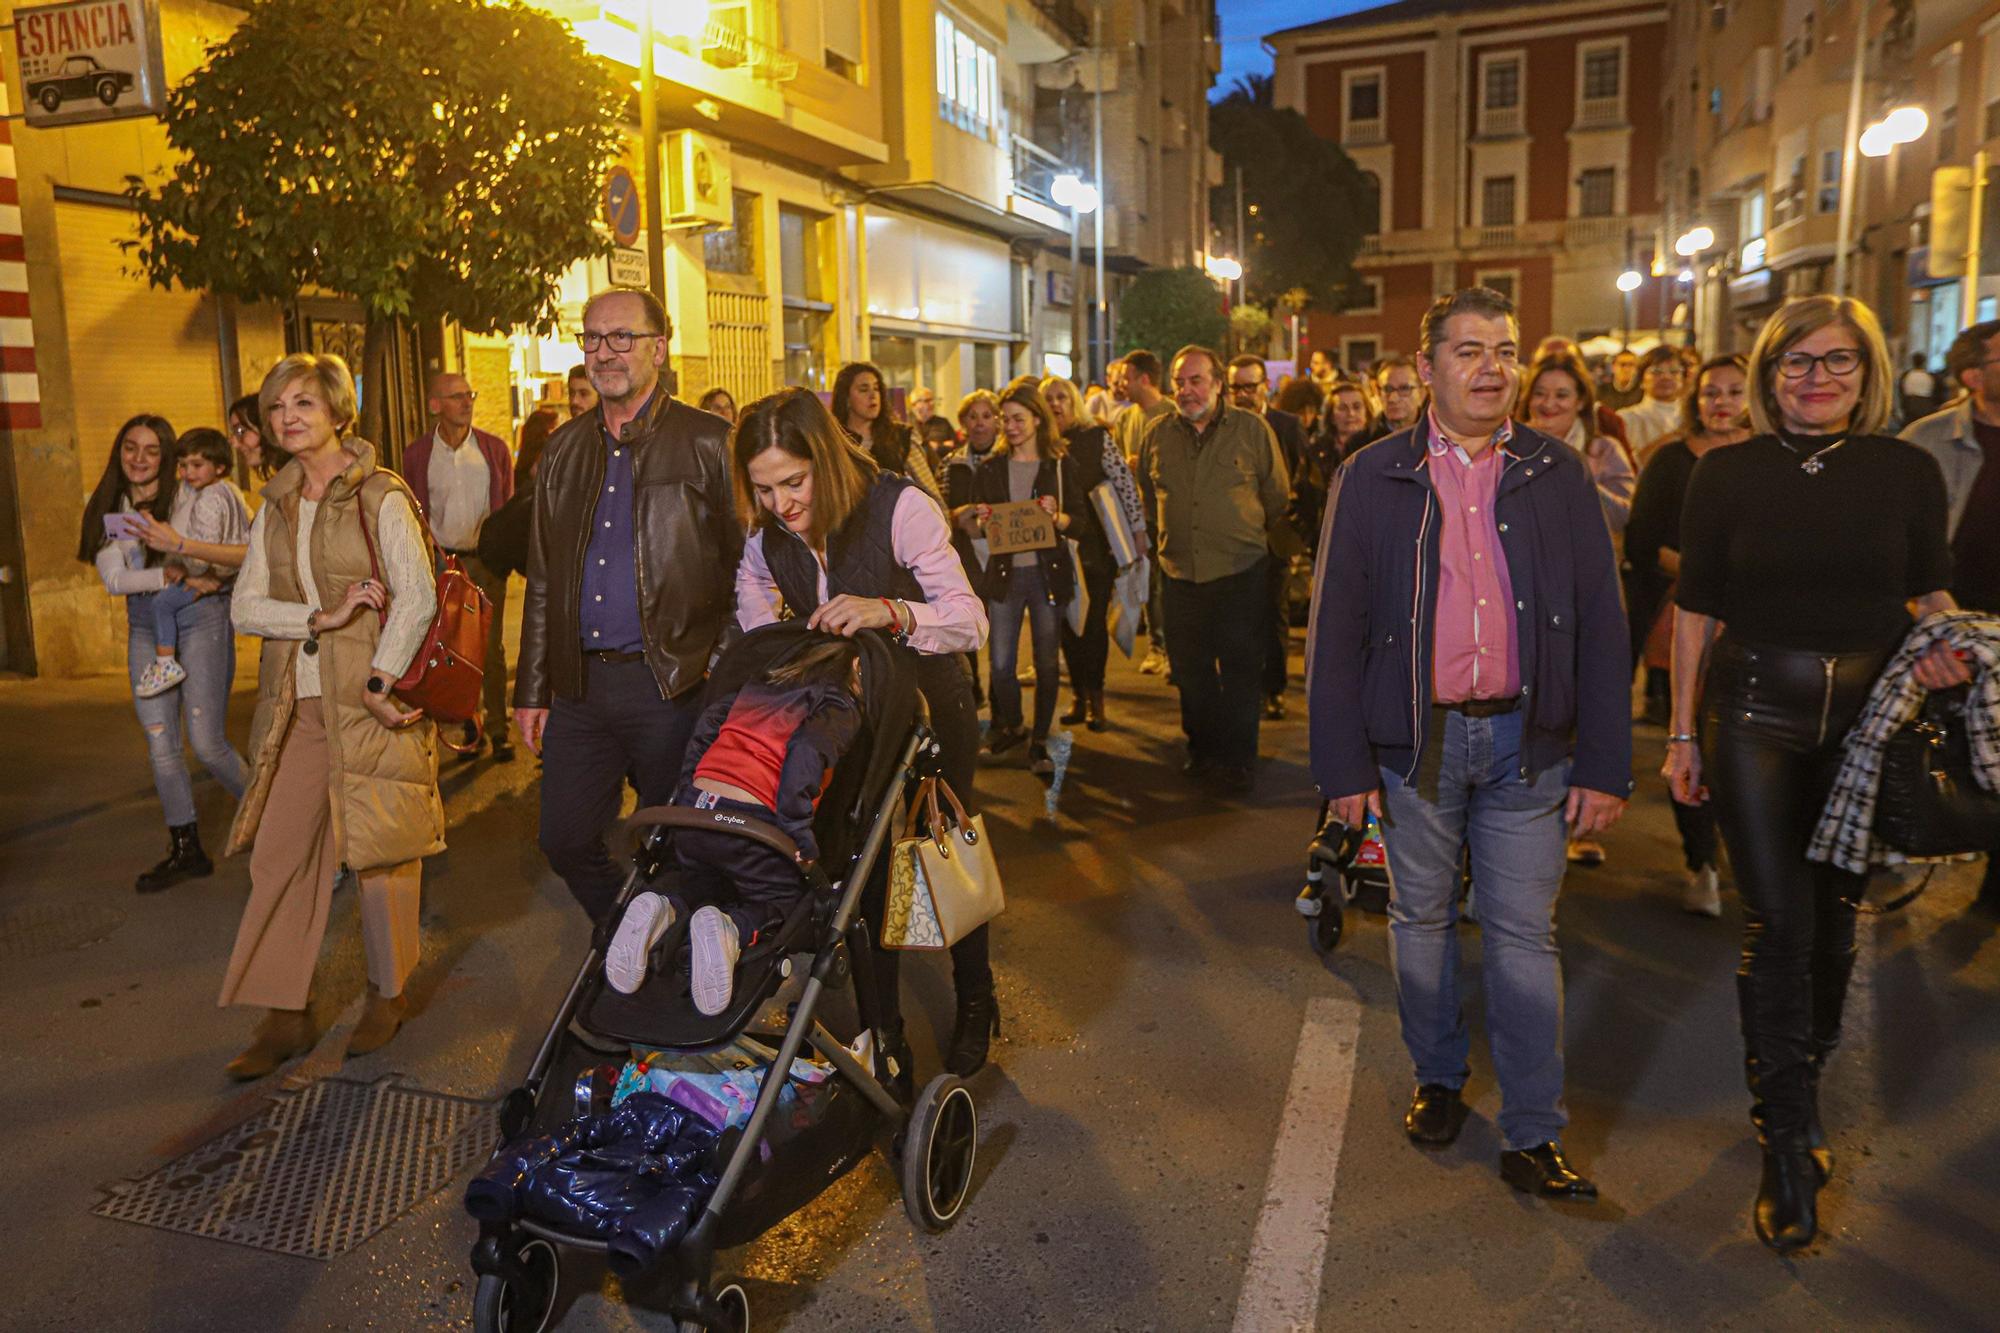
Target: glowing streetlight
[(1630, 280), (1693, 241), (1224, 269), (1905, 124), (1071, 191)]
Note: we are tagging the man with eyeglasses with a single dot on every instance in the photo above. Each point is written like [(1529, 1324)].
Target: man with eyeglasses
[(1964, 438), (461, 474), (630, 591), (1250, 390), (1401, 392), (1662, 374)]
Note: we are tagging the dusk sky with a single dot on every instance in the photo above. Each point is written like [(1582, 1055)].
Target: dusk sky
[(1244, 23)]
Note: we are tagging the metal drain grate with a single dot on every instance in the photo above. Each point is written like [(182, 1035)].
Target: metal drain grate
[(31, 932), (318, 1173)]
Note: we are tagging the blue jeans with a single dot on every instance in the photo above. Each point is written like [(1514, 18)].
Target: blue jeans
[(1027, 592), (1518, 841), (199, 708), (168, 603)]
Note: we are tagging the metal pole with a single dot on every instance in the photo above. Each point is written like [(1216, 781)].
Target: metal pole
[(1850, 151), (1239, 233), (1101, 332), (1079, 351), (1977, 217), (649, 140)]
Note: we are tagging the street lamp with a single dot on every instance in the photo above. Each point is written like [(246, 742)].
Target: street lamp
[(1693, 241), (1223, 269), (1629, 283), (1079, 196), (1905, 124), (1630, 280)]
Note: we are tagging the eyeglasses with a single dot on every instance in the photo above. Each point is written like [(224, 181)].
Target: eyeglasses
[(1840, 361), (1246, 388), (620, 340), (1398, 390), (462, 396)]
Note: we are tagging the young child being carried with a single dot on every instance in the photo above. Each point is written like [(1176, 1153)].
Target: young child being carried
[(766, 753), (218, 515)]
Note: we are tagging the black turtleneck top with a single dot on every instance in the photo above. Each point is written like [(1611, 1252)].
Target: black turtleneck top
[(1815, 563)]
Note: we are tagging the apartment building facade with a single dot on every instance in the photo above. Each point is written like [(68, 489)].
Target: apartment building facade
[(1514, 145), (1757, 101)]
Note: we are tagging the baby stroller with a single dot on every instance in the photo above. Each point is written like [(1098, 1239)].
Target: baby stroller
[(1343, 865), (764, 1174)]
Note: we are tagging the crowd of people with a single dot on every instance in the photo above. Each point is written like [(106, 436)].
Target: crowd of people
[(1490, 544)]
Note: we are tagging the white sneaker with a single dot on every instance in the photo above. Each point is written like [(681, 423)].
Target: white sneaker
[(160, 675), (1703, 895), (1153, 663), (715, 954), (646, 919)]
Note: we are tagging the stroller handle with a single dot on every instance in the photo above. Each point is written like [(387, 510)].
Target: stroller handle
[(719, 821)]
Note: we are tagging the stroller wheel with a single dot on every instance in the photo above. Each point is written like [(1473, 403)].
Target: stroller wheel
[(734, 1305), (938, 1151), (524, 1303), (1324, 930)]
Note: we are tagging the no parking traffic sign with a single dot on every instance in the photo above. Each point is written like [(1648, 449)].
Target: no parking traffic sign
[(621, 205)]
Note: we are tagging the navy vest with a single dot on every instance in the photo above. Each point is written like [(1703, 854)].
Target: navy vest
[(860, 558)]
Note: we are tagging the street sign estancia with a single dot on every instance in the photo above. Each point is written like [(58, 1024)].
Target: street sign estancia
[(90, 60)]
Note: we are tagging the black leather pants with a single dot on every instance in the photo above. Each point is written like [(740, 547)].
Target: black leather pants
[(1774, 722)]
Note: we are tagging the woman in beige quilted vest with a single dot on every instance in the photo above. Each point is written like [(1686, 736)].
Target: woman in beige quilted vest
[(342, 776)]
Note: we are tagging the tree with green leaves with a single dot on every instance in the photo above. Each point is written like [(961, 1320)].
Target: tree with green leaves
[(1306, 205), (1165, 309), (430, 159)]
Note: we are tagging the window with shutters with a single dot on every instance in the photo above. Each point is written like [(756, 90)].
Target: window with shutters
[(1597, 192), (1500, 94), (968, 77), (1496, 202)]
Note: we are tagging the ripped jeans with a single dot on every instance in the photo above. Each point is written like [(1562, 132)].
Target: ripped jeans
[(198, 708)]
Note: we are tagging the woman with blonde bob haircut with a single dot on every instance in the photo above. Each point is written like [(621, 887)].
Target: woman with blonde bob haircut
[(342, 776), (845, 545), (1804, 550)]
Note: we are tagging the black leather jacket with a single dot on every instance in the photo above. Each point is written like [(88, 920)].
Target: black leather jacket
[(689, 539)]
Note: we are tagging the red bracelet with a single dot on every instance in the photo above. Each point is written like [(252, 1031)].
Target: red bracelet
[(895, 621)]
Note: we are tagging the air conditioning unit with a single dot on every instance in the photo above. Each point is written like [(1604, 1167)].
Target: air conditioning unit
[(696, 173)]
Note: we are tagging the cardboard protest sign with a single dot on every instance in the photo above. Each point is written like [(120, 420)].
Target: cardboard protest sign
[(1021, 526)]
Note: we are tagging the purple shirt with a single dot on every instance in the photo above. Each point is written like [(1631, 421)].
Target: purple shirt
[(608, 616), (952, 619), (1474, 654)]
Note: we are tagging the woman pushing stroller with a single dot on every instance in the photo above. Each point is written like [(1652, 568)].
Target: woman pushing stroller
[(764, 753), (846, 546)]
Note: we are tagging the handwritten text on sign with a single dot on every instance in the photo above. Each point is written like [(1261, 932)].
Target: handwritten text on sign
[(1021, 526)]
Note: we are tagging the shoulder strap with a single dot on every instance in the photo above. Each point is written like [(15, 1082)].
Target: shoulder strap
[(393, 485)]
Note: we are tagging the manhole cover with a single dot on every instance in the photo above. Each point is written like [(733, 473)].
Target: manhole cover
[(31, 932), (318, 1173)]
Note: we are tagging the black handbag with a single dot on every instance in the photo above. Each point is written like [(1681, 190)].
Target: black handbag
[(1929, 803)]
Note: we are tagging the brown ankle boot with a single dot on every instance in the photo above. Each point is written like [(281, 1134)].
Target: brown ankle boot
[(282, 1034), (1096, 707), (379, 1022)]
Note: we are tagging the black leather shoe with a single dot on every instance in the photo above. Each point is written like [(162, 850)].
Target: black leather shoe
[(1196, 767), (1817, 1146), (999, 740), (1234, 779), (1078, 711), (1274, 707), (1436, 1115), (1545, 1173), (503, 752), (1787, 1212)]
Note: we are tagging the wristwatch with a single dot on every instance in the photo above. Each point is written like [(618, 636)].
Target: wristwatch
[(376, 685)]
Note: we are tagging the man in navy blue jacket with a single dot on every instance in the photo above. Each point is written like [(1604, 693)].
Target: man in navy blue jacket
[(1468, 684)]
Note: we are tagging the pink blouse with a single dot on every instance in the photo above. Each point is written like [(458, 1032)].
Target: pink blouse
[(952, 619)]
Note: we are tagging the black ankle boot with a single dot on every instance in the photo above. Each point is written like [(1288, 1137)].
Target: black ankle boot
[(1078, 710), (185, 860), (978, 1023), (1787, 1210), (1817, 1146)]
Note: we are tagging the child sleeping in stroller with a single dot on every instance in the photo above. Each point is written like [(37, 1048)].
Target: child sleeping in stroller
[(765, 753)]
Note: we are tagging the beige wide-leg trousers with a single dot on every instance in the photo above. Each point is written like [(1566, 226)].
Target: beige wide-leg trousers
[(292, 867)]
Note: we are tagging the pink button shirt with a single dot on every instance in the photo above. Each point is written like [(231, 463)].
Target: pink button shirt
[(952, 620), (1474, 654)]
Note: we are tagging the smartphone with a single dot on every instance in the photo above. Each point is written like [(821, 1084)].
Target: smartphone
[(122, 526)]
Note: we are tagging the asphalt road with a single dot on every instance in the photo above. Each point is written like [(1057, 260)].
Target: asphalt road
[(1168, 1037)]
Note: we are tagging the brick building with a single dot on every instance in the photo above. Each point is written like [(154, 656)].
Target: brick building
[(1515, 145)]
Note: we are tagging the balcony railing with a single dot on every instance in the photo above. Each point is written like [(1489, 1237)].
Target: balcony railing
[(1580, 232), (1600, 112), (1035, 169), (1370, 245), (1362, 133), (1496, 122)]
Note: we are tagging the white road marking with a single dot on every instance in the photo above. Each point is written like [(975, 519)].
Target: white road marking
[(1282, 1280)]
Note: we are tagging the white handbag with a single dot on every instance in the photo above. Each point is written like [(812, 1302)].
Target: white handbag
[(944, 884)]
